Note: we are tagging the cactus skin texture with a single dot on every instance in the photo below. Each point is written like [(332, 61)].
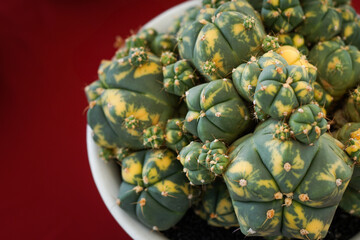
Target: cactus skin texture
[(213, 38), (295, 40), (245, 76), (285, 187), (349, 135), (154, 137), (281, 89), (216, 111), (203, 162), (216, 206), (321, 96), (338, 66), (322, 21), (270, 43), (167, 58), (154, 190), (338, 3), (188, 17), (350, 29), (176, 136), (352, 107), (179, 77), (308, 123), (213, 3), (162, 43), (125, 92), (282, 16)]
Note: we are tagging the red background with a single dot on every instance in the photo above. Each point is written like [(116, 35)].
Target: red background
[(49, 51)]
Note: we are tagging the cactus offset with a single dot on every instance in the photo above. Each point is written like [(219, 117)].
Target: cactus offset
[(167, 58), (270, 43), (154, 137), (175, 135)]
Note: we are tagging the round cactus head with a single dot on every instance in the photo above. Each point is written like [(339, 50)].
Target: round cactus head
[(249, 22), (167, 58), (209, 68), (308, 123), (282, 131), (214, 157), (135, 41), (353, 147), (138, 56), (154, 137), (270, 43), (176, 137), (355, 95)]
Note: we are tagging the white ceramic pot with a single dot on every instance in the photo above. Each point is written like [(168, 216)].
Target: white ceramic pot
[(106, 175)]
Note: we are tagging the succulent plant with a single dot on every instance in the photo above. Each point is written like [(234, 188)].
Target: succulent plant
[(126, 100), (167, 58), (295, 40), (175, 135), (282, 16), (162, 43), (336, 61), (154, 190), (321, 21), (350, 29), (179, 77), (216, 111), (284, 187), (216, 206), (213, 3), (212, 44)]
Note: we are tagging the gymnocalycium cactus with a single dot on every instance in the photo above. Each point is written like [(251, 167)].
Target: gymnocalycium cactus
[(127, 99), (282, 16), (203, 162), (214, 38), (216, 111), (154, 190), (216, 206), (175, 135), (179, 77), (295, 40), (350, 30), (336, 61), (283, 187)]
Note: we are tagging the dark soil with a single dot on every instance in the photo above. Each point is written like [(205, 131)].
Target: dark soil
[(191, 227)]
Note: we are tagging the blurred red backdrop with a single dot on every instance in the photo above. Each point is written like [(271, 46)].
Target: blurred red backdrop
[(49, 51)]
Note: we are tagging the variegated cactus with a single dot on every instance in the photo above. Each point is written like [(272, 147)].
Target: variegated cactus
[(212, 39), (350, 30), (154, 190), (283, 187), (216, 111)]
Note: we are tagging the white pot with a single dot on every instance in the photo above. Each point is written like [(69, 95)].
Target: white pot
[(106, 175)]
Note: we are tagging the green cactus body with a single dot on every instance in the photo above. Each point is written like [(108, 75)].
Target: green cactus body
[(197, 173), (163, 43), (282, 16), (213, 3), (352, 106), (121, 53), (175, 134), (321, 96), (202, 163), (154, 137), (322, 21), (285, 187), (130, 95), (154, 190), (121, 153), (107, 154), (215, 39), (94, 90), (259, 114), (245, 76), (349, 135), (350, 30), (256, 4), (216, 111), (338, 3), (295, 40), (281, 89), (216, 206), (351, 199), (308, 123), (179, 77), (270, 43), (343, 134), (167, 58), (338, 66)]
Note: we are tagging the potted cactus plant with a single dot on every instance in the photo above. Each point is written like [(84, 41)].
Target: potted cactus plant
[(241, 113)]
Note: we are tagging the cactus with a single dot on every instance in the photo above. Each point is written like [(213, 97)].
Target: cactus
[(295, 40), (270, 43), (338, 3), (216, 206), (167, 58), (308, 123), (350, 29), (163, 43), (322, 21), (203, 162), (154, 137), (284, 187), (321, 96), (216, 111), (213, 38), (213, 3), (175, 135), (188, 17), (154, 190), (107, 154), (282, 16), (126, 100), (179, 77), (336, 61), (351, 199), (281, 89)]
